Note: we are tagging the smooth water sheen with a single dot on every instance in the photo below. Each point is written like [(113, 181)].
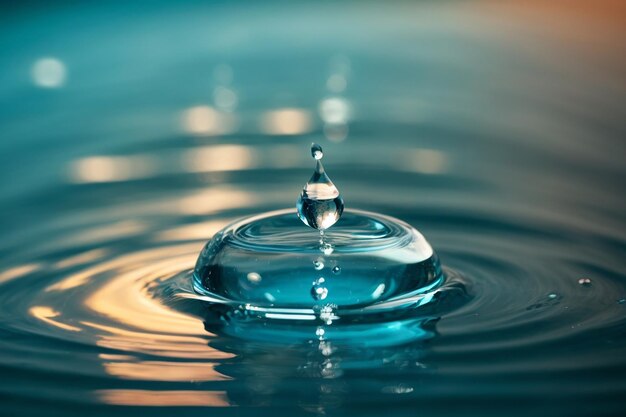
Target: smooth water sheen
[(501, 143)]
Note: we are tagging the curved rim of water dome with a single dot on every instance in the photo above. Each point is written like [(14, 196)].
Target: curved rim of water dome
[(347, 236), (248, 233)]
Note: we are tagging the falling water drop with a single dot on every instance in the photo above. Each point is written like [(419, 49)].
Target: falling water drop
[(316, 151), (318, 290), (320, 205), (319, 332)]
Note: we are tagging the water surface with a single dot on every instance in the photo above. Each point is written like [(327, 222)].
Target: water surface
[(154, 127)]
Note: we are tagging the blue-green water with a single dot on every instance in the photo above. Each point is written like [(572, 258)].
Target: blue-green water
[(132, 134)]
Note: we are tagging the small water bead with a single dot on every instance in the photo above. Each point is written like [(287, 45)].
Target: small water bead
[(318, 265), (552, 296), (585, 282), (320, 205), (316, 151), (318, 290), (336, 270), (319, 332), (327, 248)]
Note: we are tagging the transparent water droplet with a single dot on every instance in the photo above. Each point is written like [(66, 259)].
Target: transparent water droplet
[(552, 296), (585, 282), (319, 332), (318, 290), (316, 151), (337, 270), (318, 265), (327, 248), (320, 205)]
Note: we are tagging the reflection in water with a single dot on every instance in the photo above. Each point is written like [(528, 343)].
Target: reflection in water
[(220, 158), (215, 199), (49, 73), (424, 161), (164, 371), (287, 121), (47, 315), (112, 168), (135, 397), (207, 121), (18, 271)]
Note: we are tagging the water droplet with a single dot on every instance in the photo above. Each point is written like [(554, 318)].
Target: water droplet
[(319, 332), (318, 290), (327, 314), (621, 301), (552, 296), (585, 282), (318, 265), (326, 348), (320, 205), (316, 151), (327, 248), (336, 270)]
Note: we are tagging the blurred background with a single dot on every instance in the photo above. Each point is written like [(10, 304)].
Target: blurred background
[(131, 132)]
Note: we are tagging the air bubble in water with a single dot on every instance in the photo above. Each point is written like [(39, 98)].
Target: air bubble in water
[(318, 265), (337, 270), (585, 282)]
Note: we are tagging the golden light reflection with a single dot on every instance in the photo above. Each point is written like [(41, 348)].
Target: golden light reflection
[(47, 315), (165, 371), (141, 323), (116, 230), (145, 398), (207, 121), (287, 121), (219, 158), (82, 258), (18, 271), (191, 231), (424, 161), (111, 168), (49, 73), (214, 200)]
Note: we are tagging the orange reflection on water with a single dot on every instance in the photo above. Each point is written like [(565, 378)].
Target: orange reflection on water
[(192, 231), (163, 398), (287, 121), (165, 371), (82, 258), (18, 271), (138, 321), (47, 315), (219, 158), (111, 168), (215, 199)]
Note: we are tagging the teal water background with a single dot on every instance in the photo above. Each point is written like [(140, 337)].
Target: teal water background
[(130, 134)]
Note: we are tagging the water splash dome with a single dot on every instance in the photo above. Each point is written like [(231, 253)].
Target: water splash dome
[(270, 267)]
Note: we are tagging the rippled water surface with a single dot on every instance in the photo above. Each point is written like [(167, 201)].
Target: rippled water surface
[(165, 124)]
